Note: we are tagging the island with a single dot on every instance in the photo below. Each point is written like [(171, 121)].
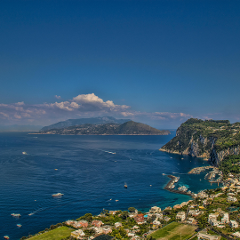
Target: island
[(112, 128)]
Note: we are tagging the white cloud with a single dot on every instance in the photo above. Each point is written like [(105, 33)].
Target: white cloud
[(127, 114), (87, 98), (17, 116), (57, 97), (168, 115), (83, 105), (20, 103), (4, 115), (94, 103)]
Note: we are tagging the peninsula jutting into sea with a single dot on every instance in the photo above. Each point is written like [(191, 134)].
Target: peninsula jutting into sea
[(210, 214)]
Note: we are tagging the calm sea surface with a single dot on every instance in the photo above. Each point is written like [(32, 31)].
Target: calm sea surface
[(88, 175)]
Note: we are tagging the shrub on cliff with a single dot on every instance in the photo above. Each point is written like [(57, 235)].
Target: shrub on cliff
[(131, 209)]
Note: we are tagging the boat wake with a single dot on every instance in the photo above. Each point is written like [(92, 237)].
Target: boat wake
[(38, 210), (110, 152)]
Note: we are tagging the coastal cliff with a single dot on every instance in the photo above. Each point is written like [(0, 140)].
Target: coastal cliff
[(209, 139)]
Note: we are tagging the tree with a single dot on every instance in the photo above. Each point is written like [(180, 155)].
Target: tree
[(124, 215), (131, 209), (202, 221)]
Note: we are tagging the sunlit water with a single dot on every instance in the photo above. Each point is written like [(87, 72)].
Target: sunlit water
[(88, 175)]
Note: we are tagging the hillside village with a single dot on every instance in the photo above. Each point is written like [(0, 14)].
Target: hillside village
[(214, 214)]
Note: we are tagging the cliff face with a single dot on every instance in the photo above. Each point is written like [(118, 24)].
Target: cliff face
[(217, 157), (212, 140)]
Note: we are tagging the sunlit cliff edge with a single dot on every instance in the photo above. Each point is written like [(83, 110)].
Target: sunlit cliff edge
[(212, 140)]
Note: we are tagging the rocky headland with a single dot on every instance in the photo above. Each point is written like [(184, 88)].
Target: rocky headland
[(209, 139)]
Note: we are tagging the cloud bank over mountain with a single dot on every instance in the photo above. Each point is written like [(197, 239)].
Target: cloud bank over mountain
[(83, 105)]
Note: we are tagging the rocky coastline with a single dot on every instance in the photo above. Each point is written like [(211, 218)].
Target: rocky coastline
[(212, 140)]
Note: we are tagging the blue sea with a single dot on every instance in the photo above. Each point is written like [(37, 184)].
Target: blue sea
[(91, 172)]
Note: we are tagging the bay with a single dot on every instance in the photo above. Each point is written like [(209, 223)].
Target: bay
[(91, 172)]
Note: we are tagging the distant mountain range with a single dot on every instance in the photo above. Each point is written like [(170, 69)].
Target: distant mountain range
[(80, 121), (98, 126)]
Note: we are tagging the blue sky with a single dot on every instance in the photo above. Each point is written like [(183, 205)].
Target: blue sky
[(158, 62)]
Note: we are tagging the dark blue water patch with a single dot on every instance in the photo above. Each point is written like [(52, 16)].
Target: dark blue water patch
[(91, 172)]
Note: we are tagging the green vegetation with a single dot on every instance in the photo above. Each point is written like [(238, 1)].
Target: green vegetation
[(131, 209), (88, 217), (55, 234), (231, 164), (119, 233), (199, 138), (175, 231)]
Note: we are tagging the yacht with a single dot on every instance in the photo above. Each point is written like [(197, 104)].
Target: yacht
[(57, 195)]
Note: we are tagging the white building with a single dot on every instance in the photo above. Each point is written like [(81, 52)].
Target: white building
[(181, 216), (156, 222), (194, 212), (117, 224), (225, 217), (159, 215), (155, 209), (191, 221), (212, 219), (202, 195), (233, 224), (231, 199), (236, 234), (78, 234)]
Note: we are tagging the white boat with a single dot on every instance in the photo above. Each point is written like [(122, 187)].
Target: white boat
[(57, 195), (16, 214), (24, 153)]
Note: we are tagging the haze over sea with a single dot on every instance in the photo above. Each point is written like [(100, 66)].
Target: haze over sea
[(88, 175)]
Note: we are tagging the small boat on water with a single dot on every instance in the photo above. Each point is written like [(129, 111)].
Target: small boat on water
[(110, 152), (30, 214), (24, 153), (57, 195), (19, 225), (125, 185), (6, 237), (16, 214)]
